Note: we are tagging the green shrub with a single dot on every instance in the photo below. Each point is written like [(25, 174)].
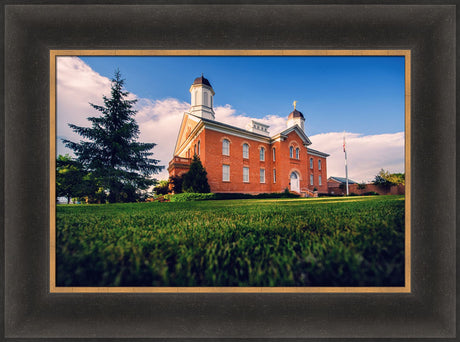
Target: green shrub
[(190, 196)]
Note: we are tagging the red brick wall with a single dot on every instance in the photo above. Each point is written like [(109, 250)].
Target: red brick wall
[(212, 158), (353, 188), (214, 161)]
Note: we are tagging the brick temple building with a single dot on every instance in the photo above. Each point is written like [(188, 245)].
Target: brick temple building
[(247, 160)]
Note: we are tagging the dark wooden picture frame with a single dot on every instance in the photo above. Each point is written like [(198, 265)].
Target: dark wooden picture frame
[(32, 30)]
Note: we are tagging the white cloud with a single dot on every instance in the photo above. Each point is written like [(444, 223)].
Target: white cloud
[(159, 121), (366, 154)]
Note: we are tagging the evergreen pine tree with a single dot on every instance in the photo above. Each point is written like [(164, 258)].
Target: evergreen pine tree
[(196, 180), (110, 150)]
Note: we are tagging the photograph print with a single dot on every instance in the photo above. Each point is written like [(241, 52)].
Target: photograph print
[(225, 171)]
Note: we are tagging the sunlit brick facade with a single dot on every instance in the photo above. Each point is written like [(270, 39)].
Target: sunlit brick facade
[(247, 160)]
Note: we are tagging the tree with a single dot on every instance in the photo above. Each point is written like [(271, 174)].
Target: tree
[(110, 150), (162, 188), (176, 182), (71, 179), (196, 180), (387, 179)]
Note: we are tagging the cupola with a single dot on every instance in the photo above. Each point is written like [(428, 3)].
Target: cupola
[(202, 98), (296, 118)]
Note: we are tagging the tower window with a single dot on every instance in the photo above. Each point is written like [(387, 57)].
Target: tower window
[(205, 98), (226, 173), (226, 147), (297, 153), (245, 151), (262, 154), (291, 152), (246, 174)]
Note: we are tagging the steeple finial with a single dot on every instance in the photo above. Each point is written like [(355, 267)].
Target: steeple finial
[(294, 103)]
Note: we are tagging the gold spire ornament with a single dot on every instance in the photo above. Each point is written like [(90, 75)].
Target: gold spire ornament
[(294, 103)]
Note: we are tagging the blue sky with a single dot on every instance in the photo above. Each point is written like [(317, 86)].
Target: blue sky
[(364, 94), (361, 96)]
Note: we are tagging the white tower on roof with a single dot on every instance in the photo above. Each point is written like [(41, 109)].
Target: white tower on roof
[(202, 98), (296, 118)]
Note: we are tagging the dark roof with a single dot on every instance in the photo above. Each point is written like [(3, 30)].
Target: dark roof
[(343, 180), (295, 114), (202, 80), (318, 152)]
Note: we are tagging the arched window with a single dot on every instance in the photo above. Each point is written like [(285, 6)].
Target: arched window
[(274, 154), (262, 153), (199, 143), (291, 152), (205, 98), (297, 153), (311, 163), (319, 165), (245, 151), (226, 147)]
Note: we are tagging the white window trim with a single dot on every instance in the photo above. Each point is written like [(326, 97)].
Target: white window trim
[(262, 154), (262, 172), (224, 166), (246, 155), (245, 168), (228, 147)]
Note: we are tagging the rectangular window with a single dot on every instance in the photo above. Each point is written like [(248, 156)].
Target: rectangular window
[(274, 154), (274, 175), (319, 180), (226, 173), (246, 174), (311, 179), (319, 165), (311, 163), (262, 175)]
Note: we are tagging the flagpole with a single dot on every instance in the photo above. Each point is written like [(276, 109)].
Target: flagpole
[(346, 166)]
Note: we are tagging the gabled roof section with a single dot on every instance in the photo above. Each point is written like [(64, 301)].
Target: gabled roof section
[(298, 130), (341, 180), (189, 122)]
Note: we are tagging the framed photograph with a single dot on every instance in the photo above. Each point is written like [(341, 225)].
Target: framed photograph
[(123, 261), (291, 231)]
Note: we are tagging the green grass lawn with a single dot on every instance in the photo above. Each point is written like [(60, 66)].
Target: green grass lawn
[(354, 241)]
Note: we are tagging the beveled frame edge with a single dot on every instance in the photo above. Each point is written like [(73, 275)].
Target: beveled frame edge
[(279, 52)]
